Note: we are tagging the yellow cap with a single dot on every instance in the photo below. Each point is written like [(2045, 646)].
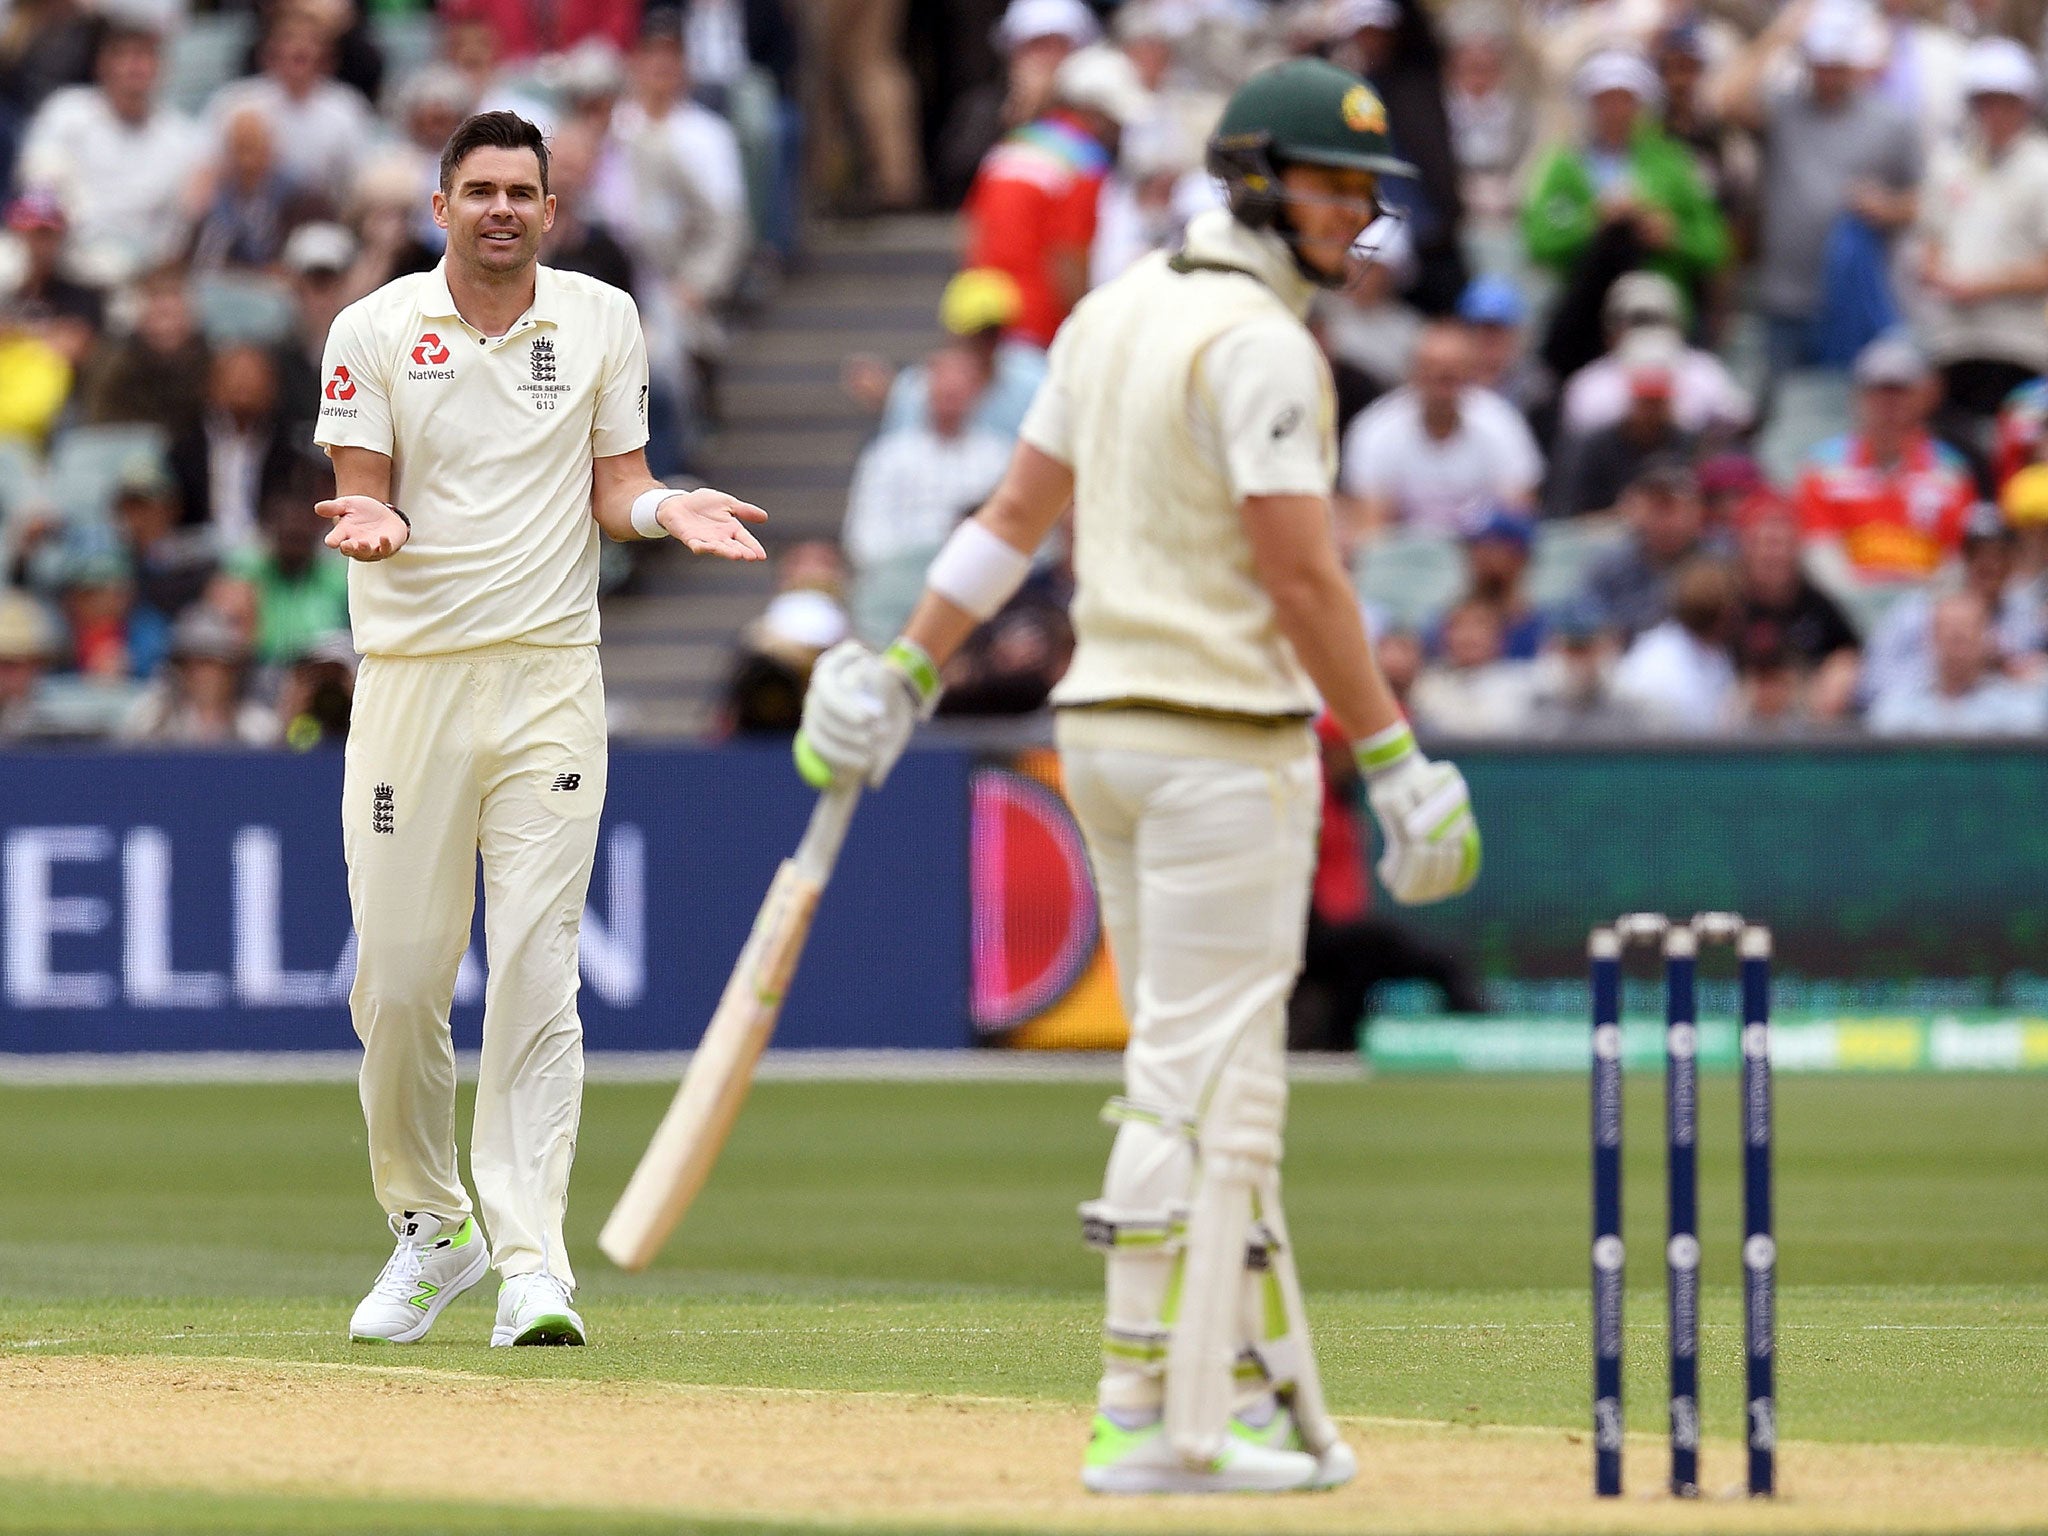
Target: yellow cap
[(979, 299), (2025, 497)]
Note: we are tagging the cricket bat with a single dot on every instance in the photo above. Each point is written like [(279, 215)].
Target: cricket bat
[(687, 1142)]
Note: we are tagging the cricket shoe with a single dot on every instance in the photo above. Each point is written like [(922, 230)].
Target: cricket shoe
[(431, 1266), (1274, 1426), (534, 1309), (1143, 1460)]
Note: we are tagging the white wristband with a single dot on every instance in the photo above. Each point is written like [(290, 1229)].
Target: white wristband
[(977, 571), (645, 505)]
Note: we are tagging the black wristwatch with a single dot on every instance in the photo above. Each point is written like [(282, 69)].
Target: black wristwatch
[(401, 516)]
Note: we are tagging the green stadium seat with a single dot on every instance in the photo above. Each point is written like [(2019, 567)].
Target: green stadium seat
[(1410, 578), (1565, 553), (203, 55), (236, 307), (86, 464)]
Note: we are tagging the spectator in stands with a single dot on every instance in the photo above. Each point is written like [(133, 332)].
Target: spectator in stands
[(1784, 615), (1705, 399), (1887, 501), (1393, 44), (383, 213), (2020, 435), (242, 450), (317, 261), (114, 158), (1472, 689), (1571, 684), (776, 651), (319, 128), (1368, 325), (1902, 644), (1156, 186), (1035, 37), (1350, 949), (2024, 500), (1495, 313), (91, 581), (250, 207), (171, 565), (28, 641), (1728, 482), (523, 28), (910, 488), (1401, 659), (300, 586), (1840, 165), (1031, 210), (1629, 588), (1921, 69), (1497, 551), (978, 307), (1678, 671), (1439, 452), (580, 240), (199, 698), (1009, 665), (674, 191), (35, 380), (1492, 122), (1773, 696), (65, 314), (1964, 694), (862, 45), (1984, 243), (318, 694), (1594, 468), (1679, 54), (1625, 197), (428, 107), (156, 374), (45, 46)]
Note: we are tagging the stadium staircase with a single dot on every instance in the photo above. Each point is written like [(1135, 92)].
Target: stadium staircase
[(787, 440)]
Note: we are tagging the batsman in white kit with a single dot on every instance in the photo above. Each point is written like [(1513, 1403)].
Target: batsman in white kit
[(1190, 419), (486, 420)]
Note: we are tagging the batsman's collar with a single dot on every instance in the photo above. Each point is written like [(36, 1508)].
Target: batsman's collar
[(437, 303), (1216, 238)]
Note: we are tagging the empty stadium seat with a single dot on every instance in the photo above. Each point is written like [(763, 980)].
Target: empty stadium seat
[(86, 464), (1409, 577), (237, 307), (204, 54)]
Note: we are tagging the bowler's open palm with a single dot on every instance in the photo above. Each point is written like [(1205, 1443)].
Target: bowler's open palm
[(708, 522), (364, 527)]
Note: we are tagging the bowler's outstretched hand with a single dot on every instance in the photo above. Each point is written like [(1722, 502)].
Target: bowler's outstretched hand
[(708, 522), (364, 527)]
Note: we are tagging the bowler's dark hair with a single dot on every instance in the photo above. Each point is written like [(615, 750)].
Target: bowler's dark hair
[(492, 130)]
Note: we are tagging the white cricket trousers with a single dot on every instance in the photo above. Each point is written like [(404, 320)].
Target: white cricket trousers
[(1202, 837), (498, 752)]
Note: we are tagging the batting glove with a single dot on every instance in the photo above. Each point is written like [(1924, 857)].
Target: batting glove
[(1424, 810), (860, 710)]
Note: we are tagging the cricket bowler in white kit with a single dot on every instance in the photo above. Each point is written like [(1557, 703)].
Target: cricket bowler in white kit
[(486, 419), (1190, 418)]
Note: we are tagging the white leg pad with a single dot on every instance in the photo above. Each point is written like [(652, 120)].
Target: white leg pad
[(1237, 1152)]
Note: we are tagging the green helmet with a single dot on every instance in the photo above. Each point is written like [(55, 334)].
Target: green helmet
[(1303, 112)]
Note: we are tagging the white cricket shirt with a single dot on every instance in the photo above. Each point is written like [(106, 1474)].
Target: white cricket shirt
[(491, 442)]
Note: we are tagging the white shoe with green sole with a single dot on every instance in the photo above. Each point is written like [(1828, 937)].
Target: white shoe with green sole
[(534, 1309), (1143, 1460), (432, 1265)]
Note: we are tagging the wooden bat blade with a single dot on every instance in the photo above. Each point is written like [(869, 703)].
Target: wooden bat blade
[(687, 1143)]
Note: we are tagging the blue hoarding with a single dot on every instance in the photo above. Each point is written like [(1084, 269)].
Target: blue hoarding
[(196, 901)]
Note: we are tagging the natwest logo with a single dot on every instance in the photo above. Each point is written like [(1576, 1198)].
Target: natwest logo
[(429, 349), (341, 386)]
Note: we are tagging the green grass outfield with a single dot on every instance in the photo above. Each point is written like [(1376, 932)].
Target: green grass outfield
[(921, 1238)]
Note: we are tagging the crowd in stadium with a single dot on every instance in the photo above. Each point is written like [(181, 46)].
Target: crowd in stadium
[(1694, 385)]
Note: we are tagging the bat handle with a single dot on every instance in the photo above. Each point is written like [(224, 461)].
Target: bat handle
[(830, 818)]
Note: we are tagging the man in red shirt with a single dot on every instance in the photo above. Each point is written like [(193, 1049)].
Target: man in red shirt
[(1892, 495), (1031, 210)]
